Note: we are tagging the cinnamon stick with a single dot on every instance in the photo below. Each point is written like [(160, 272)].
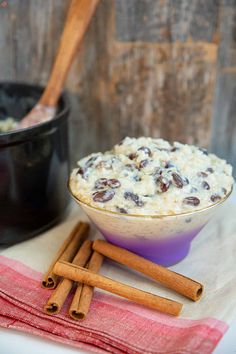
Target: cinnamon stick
[(181, 284), (57, 299), (84, 293), (66, 252), (85, 276)]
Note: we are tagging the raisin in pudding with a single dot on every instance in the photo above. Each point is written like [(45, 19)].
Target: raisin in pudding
[(151, 177)]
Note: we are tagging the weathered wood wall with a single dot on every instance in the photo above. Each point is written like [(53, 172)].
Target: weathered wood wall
[(147, 67)]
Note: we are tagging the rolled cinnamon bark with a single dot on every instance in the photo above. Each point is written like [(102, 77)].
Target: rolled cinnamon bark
[(84, 293), (181, 284), (85, 276), (57, 299), (66, 252)]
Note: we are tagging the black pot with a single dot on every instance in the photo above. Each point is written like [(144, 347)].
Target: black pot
[(34, 166)]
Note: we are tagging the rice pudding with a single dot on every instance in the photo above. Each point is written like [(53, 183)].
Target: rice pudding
[(147, 176)]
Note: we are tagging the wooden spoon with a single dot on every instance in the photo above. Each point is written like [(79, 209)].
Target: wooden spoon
[(77, 21)]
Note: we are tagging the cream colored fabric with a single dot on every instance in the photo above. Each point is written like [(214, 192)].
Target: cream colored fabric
[(211, 261)]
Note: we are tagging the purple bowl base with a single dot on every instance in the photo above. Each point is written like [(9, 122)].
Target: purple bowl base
[(165, 252)]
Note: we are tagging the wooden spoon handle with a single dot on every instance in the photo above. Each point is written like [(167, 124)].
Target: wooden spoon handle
[(77, 21)]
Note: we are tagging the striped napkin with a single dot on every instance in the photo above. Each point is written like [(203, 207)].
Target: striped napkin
[(117, 325)]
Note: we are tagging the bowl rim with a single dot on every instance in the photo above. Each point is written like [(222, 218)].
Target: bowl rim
[(153, 216)]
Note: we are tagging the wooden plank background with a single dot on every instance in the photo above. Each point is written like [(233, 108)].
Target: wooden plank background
[(164, 68)]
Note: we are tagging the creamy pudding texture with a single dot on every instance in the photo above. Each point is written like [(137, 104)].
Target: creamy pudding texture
[(7, 125), (148, 176)]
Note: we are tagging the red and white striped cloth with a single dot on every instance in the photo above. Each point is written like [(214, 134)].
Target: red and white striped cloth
[(117, 325)]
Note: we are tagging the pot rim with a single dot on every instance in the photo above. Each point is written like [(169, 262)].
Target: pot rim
[(26, 133)]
